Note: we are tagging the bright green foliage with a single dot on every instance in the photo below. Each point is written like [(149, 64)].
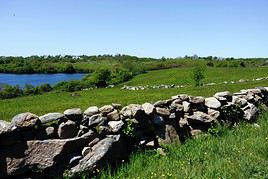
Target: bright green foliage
[(198, 75), (241, 152)]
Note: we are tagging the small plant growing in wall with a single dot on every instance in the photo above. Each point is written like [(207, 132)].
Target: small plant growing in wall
[(129, 129)]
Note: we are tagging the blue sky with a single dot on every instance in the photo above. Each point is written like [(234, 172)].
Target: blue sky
[(154, 28)]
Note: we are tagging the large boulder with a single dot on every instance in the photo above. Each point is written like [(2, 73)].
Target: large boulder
[(37, 156), (108, 150), (25, 121), (67, 130), (212, 102), (51, 118), (74, 114)]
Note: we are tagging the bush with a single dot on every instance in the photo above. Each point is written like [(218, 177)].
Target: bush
[(69, 69), (10, 92), (242, 64), (101, 77), (210, 64), (45, 88), (120, 76), (198, 75)]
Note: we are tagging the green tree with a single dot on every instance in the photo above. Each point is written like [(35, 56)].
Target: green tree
[(198, 75), (102, 77)]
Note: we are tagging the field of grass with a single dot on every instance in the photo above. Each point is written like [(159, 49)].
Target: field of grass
[(238, 153), (58, 102), (183, 76)]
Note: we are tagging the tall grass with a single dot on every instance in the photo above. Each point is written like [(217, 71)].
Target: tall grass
[(238, 153)]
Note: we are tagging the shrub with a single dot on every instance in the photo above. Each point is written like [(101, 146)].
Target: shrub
[(69, 69), (198, 75), (10, 92), (102, 77), (45, 88), (242, 64), (210, 64)]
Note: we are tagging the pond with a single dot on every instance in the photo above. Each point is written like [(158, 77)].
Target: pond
[(37, 79)]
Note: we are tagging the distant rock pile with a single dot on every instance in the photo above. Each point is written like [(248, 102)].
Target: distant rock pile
[(74, 142)]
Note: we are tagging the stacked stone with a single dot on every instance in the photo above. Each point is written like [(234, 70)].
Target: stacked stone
[(79, 141)]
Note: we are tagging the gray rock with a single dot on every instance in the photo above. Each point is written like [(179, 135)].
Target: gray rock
[(91, 111), (239, 101), (50, 132), (224, 96), (136, 110), (212, 103), (186, 106), (7, 135), (113, 116), (148, 108), (115, 125), (25, 120), (74, 114), (200, 118), (162, 111), (4, 126), (96, 120), (126, 112), (67, 130), (251, 112), (51, 118), (106, 109), (36, 154), (167, 134), (197, 99), (213, 113), (110, 149)]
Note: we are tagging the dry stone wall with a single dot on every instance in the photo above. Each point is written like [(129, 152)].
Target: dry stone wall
[(74, 142)]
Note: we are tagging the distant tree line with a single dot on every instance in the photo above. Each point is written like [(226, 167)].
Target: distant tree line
[(89, 64)]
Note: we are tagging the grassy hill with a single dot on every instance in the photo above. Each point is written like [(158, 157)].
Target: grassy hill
[(58, 102), (183, 75), (238, 153)]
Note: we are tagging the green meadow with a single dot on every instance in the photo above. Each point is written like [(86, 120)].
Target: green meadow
[(241, 152), (58, 102)]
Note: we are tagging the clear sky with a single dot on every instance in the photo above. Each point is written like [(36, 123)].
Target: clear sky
[(154, 28)]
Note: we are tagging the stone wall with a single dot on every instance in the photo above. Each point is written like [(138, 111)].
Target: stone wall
[(77, 141)]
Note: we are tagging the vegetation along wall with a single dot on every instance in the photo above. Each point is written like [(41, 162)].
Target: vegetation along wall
[(82, 142)]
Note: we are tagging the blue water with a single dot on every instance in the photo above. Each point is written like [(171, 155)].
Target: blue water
[(37, 79)]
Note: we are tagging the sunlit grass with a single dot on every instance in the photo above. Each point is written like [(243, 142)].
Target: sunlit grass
[(238, 153)]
